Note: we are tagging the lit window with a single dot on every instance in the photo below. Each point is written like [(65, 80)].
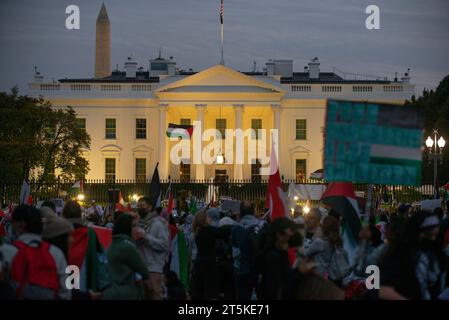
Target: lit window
[(301, 129)]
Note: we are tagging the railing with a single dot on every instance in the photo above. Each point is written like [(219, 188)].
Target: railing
[(201, 189)]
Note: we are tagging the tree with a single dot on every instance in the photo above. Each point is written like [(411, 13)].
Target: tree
[(436, 111), (37, 140)]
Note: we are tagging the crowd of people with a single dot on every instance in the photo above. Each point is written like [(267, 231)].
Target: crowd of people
[(225, 255)]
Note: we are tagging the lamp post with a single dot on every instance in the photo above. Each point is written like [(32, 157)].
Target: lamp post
[(436, 154)]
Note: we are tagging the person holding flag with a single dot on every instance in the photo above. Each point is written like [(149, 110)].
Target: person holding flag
[(152, 239)]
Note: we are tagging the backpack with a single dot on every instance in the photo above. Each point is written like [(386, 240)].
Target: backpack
[(339, 266), (34, 270)]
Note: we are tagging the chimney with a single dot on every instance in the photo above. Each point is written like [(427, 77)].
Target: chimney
[(102, 45), (130, 68), (406, 77), (314, 69), (37, 76), (270, 68)]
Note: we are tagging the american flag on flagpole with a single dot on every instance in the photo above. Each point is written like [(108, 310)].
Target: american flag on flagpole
[(221, 12)]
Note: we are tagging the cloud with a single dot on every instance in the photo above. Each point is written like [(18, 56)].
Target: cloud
[(413, 34)]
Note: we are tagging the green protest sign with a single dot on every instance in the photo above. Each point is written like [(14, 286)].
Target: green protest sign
[(373, 143)]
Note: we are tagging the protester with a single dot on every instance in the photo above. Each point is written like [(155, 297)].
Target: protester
[(205, 274), (152, 240), (245, 248), (37, 268), (415, 265), (85, 252), (56, 230), (328, 254), (126, 268), (313, 226), (279, 281)]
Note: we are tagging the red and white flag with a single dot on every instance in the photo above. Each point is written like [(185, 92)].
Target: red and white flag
[(275, 199), (121, 203)]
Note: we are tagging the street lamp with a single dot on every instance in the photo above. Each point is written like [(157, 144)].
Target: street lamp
[(436, 153)]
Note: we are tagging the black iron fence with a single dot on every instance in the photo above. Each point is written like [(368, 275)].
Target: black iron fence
[(202, 189)]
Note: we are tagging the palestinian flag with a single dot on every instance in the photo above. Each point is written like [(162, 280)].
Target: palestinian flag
[(340, 196), (78, 186), (179, 258), (179, 131), (275, 198), (86, 252), (373, 143), (155, 188)]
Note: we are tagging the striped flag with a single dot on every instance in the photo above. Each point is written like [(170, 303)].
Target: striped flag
[(221, 12), (179, 131), (373, 143), (179, 258), (79, 185)]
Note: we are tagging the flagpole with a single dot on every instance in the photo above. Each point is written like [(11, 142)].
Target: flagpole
[(222, 31), (222, 56)]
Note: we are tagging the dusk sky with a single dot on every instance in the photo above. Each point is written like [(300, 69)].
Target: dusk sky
[(414, 33)]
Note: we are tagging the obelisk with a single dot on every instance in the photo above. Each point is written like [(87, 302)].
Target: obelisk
[(102, 45)]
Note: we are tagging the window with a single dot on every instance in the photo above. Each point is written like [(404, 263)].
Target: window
[(111, 128), (186, 122), (184, 171), (109, 165), (81, 123), (301, 169), (256, 125), (301, 129), (141, 128), (220, 125), (141, 169), (255, 171)]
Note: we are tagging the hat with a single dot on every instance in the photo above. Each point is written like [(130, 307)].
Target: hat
[(55, 226), (214, 214)]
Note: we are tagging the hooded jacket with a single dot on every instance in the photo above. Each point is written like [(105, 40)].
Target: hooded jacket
[(124, 262), (154, 247)]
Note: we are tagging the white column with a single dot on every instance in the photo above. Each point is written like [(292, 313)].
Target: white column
[(200, 169), (277, 125), (238, 111), (163, 159)]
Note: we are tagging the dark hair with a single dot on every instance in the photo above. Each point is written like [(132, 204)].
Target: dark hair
[(30, 216), (158, 210), (331, 231), (62, 242), (147, 200), (49, 204), (72, 209), (246, 208), (123, 225)]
